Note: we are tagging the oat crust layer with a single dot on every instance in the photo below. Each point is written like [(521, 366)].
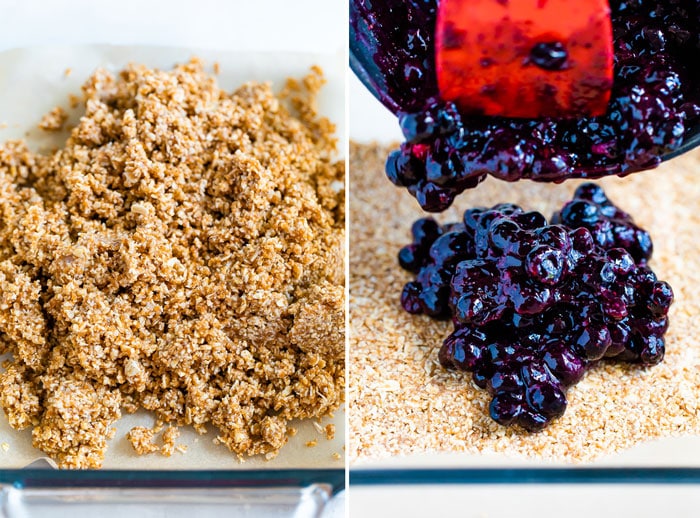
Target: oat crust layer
[(401, 402)]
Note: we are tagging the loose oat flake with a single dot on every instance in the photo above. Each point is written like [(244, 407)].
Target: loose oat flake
[(181, 254)]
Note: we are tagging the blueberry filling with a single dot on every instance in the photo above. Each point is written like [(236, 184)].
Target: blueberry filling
[(655, 102), (548, 55), (534, 305)]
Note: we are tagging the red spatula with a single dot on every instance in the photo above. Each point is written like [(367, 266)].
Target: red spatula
[(525, 58)]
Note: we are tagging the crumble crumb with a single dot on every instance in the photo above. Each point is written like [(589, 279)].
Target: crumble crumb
[(311, 444), (330, 431), (54, 120), (216, 67), (336, 456), (142, 440), (175, 256), (74, 101), (170, 435), (68, 72)]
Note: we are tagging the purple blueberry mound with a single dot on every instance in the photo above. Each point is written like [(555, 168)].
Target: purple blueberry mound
[(654, 106), (534, 305), (609, 226), (433, 256)]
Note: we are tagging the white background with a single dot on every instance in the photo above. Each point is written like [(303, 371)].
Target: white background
[(298, 25), (370, 120)]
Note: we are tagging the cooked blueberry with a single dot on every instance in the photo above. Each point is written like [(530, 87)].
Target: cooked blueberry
[(507, 381), (410, 258), (480, 379), (450, 247), (435, 119), (580, 213), (425, 231), (504, 234), (432, 197), (443, 168), (582, 241), (410, 298), (418, 126), (530, 220), (565, 364), (533, 421), (593, 342), (546, 264), (622, 262), (403, 169), (463, 349), (592, 192), (652, 351), (505, 407), (548, 55), (660, 299), (546, 399)]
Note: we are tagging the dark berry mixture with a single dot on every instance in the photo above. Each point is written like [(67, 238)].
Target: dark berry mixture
[(534, 305), (609, 226), (393, 39), (655, 102), (549, 55)]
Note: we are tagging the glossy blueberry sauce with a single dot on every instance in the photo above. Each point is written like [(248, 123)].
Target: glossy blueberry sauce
[(655, 102), (534, 305)]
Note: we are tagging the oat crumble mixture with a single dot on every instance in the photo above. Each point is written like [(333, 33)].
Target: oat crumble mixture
[(401, 402), (182, 253)]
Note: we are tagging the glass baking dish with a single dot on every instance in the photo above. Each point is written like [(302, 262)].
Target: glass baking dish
[(206, 479), (526, 493), (654, 478)]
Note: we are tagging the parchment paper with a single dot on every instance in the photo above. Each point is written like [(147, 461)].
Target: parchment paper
[(32, 82)]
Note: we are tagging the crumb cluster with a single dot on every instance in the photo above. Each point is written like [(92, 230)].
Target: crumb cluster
[(143, 440), (402, 402), (182, 253), (54, 120)]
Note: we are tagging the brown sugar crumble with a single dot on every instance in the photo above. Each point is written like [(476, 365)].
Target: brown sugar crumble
[(170, 435), (142, 439), (54, 120), (402, 402), (183, 254)]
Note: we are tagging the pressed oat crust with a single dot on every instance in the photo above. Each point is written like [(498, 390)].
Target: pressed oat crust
[(402, 402), (182, 254)]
